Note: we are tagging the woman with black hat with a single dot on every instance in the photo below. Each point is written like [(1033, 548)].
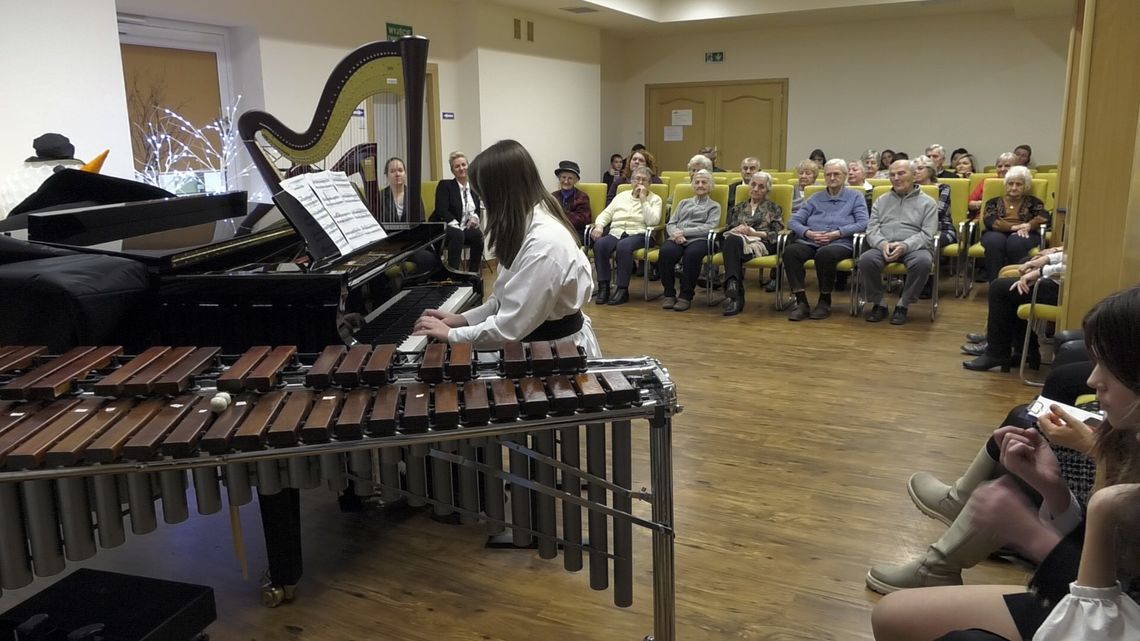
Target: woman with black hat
[(575, 202), (543, 279)]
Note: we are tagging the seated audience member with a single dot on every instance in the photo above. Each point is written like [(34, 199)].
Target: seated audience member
[(824, 227), (1012, 222), (1051, 536), (817, 156), (697, 163), (395, 208), (748, 166), (886, 157), (965, 165), (574, 201), (711, 154), (870, 159), (1001, 166), (807, 172), (856, 177), (614, 170), (1024, 154), (621, 227), (902, 155), (1005, 332), (458, 205), (750, 231), (686, 241), (639, 158), (901, 229), (924, 175), (956, 154), (937, 155)]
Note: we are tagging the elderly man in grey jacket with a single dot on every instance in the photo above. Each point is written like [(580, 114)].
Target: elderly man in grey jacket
[(901, 229)]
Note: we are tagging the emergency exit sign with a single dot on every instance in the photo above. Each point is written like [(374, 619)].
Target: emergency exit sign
[(714, 56)]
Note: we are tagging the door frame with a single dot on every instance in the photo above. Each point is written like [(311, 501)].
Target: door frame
[(783, 82)]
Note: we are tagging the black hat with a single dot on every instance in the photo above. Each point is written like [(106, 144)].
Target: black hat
[(568, 165), (52, 147)]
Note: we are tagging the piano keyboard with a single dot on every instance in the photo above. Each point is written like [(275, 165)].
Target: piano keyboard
[(393, 321)]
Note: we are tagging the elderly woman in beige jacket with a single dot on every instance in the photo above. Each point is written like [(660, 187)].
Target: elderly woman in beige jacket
[(621, 227)]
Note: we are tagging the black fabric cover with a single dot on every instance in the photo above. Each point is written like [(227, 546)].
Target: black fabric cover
[(63, 299), (69, 188)]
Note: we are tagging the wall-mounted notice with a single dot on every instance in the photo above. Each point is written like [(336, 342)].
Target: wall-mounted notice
[(682, 117), (674, 134), (448, 115), (397, 31)]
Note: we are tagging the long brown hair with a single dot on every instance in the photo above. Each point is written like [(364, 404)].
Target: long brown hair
[(505, 178), (1112, 335), (650, 162)]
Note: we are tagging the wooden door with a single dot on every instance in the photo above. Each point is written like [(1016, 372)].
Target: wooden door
[(740, 118)]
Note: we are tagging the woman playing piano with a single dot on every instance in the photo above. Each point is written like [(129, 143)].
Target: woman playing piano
[(543, 278)]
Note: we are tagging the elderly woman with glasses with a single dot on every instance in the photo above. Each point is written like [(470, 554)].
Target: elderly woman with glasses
[(751, 230), (621, 228), (1012, 222)]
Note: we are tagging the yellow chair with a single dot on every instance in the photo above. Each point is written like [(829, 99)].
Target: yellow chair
[(1050, 189), (978, 177), (989, 169), (597, 195), (781, 175), (1047, 168), (877, 182), (959, 214), (1037, 316), (1085, 399), (782, 196), (427, 195), (675, 176)]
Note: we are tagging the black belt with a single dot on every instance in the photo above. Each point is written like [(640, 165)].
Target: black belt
[(553, 330)]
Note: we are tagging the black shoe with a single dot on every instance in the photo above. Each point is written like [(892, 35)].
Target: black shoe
[(877, 314), (822, 310), (603, 296), (620, 297), (800, 312), (975, 337), (975, 349), (733, 306), (771, 286), (732, 289), (985, 362), (899, 316)]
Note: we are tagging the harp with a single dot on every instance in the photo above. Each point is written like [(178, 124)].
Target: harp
[(356, 125)]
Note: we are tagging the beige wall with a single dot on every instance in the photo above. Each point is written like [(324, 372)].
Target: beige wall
[(909, 94), (66, 79)]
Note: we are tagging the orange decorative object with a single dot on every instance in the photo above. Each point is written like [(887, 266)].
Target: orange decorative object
[(96, 164)]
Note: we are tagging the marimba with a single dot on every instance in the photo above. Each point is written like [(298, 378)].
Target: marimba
[(85, 433)]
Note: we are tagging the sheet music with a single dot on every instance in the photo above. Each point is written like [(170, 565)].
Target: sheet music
[(334, 202), (301, 188), (353, 208)]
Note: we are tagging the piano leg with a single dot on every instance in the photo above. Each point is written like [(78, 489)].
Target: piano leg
[(281, 522)]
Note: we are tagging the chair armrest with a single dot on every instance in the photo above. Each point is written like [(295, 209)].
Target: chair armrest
[(1041, 231)]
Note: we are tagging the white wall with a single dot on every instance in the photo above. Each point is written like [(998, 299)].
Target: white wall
[(911, 95), (546, 94), (66, 78)]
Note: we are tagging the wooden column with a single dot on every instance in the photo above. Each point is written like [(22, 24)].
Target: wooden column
[(1102, 230)]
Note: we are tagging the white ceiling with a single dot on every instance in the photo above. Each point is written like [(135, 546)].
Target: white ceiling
[(649, 17)]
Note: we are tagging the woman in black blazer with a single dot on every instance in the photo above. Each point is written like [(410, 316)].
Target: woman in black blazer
[(458, 205)]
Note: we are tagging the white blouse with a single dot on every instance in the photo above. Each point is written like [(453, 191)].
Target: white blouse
[(1092, 614), (550, 279)]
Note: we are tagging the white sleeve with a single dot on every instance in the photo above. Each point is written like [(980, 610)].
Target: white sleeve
[(1064, 522), (528, 298), (1092, 614)]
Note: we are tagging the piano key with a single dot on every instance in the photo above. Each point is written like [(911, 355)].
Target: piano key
[(347, 375), (264, 377), (319, 375), (476, 410), (459, 362), (456, 301), (376, 370), (180, 377), (112, 384), (593, 396), (143, 445), (17, 388), (283, 431), (446, 403), (61, 381), (564, 400), (415, 419), (233, 379), (350, 423), (73, 447), (514, 360), (431, 367), (382, 419)]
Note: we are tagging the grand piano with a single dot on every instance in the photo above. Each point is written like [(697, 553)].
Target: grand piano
[(231, 275)]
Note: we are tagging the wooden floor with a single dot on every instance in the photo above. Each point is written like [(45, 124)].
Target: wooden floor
[(790, 462)]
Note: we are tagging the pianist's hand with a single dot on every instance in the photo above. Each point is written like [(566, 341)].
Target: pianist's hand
[(435, 324), (451, 320)]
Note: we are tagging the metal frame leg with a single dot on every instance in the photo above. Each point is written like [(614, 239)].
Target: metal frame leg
[(664, 578)]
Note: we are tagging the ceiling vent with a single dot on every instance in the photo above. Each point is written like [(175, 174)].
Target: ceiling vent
[(579, 9)]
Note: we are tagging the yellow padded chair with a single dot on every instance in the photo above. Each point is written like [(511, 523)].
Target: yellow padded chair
[(427, 194), (597, 195), (782, 196), (778, 176), (959, 214), (978, 177), (877, 182), (675, 176), (1037, 316)]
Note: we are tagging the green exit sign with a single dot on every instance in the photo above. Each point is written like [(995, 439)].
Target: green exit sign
[(714, 56)]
